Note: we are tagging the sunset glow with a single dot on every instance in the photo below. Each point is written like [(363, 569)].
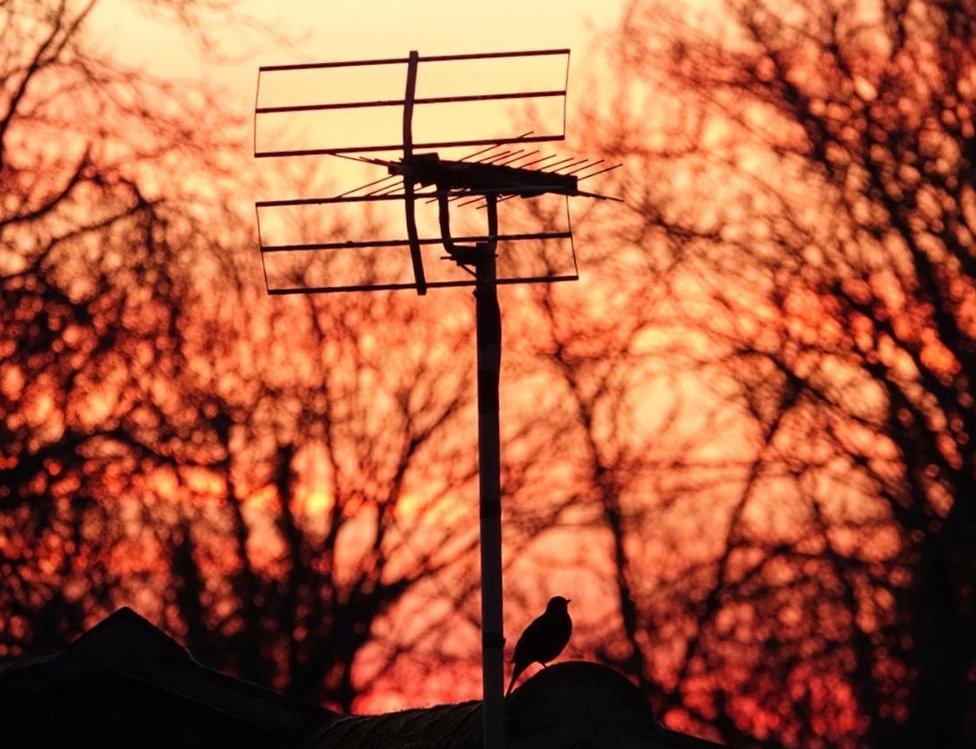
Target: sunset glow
[(742, 443)]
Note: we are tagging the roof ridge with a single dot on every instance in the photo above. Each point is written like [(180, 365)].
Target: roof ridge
[(127, 621)]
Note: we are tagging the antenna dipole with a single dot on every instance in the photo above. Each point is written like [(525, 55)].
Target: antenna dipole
[(408, 191)]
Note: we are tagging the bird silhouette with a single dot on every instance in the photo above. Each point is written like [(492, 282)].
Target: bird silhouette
[(543, 639)]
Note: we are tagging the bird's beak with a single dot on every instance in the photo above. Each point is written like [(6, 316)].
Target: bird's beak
[(569, 600)]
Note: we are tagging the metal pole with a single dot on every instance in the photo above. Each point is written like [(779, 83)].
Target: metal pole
[(489, 334)]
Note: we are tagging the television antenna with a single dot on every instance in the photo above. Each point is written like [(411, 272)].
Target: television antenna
[(502, 169)]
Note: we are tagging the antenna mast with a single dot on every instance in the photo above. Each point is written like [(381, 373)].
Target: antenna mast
[(483, 180)]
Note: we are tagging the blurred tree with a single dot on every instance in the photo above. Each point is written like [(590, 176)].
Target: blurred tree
[(338, 479), (266, 479), (810, 167), (774, 464), (88, 267)]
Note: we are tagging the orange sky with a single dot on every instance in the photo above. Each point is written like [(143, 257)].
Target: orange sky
[(297, 31), (350, 29)]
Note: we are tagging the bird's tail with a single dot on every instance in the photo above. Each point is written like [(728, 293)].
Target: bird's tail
[(515, 674)]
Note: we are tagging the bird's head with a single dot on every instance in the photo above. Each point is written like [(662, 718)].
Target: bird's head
[(557, 603)]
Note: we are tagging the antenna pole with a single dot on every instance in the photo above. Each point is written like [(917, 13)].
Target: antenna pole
[(489, 336)]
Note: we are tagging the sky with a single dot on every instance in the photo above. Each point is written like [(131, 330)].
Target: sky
[(302, 31), (311, 31)]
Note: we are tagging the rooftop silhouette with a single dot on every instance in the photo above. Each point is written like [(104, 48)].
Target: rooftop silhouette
[(126, 683)]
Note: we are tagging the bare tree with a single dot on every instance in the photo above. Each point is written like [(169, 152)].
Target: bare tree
[(90, 257), (266, 479), (809, 165), (340, 454)]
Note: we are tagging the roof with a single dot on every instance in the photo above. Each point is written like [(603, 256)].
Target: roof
[(126, 683), (571, 704), (124, 646)]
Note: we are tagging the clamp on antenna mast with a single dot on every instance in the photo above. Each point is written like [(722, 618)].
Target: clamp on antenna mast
[(467, 254), (408, 191)]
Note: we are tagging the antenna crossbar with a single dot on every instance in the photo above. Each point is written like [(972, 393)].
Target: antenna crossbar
[(401, 102), (399, 146), (405, 60)]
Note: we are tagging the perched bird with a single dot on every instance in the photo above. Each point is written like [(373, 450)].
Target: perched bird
[(543, 639)]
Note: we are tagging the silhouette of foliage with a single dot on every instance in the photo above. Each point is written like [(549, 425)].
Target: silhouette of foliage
[(808, 168), (89, 263), (255, 475), (749, 432)]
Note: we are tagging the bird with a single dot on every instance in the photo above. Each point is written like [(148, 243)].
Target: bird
[(543, 639)]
